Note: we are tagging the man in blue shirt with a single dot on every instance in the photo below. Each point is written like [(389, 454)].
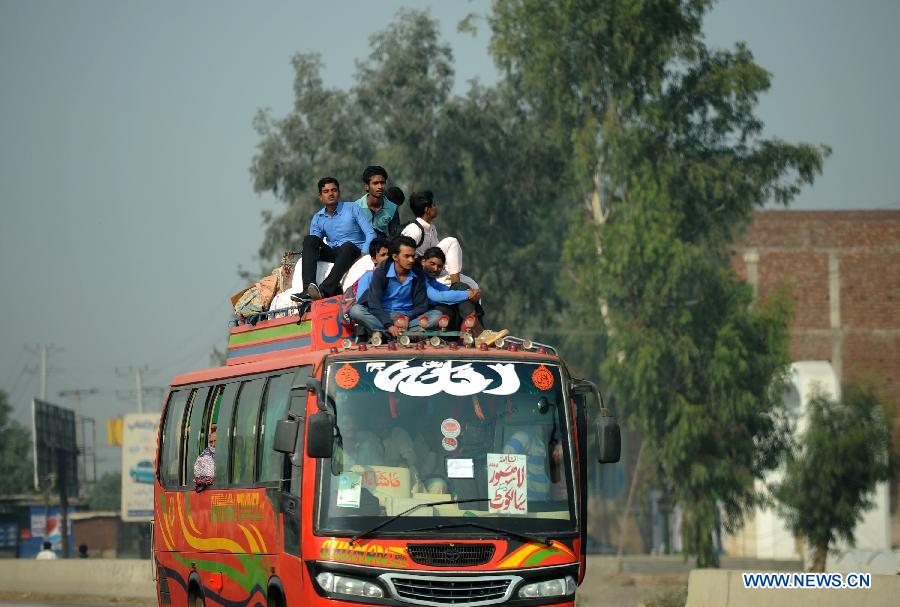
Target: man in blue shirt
[(348, 233), (439, 294), (394, 288), (383, 214)]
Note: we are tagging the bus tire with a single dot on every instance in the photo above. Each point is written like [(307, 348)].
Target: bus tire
[(275, 594), (195, 595)]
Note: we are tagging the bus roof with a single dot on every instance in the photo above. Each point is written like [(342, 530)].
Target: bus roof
[(289, 338)]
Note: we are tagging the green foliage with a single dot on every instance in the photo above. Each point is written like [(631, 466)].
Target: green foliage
[(106, 494), (667, 154), (829, 478), (325, 135), (15, 453), (483, 156), (599, 188)]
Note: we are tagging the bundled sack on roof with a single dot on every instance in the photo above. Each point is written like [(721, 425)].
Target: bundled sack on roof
[(257, 298)]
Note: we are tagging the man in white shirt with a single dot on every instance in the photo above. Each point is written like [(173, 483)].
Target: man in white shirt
[(422, 231), (47, 553), (378, 252)]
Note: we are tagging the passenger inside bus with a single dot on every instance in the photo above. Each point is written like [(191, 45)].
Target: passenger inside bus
[(205, 467)]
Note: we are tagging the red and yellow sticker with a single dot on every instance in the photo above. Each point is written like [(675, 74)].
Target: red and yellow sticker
[(542, 378), (533, 555), (347, 377)]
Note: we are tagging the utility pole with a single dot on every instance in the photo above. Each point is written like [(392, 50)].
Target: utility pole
[(44, 369), (77, 394), (44, 373), (80, 438), (139, 389)]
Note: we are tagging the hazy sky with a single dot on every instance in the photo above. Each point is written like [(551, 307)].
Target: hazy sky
[(126, 138)]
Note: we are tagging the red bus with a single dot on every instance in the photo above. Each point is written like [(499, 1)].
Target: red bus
[(433, 473)]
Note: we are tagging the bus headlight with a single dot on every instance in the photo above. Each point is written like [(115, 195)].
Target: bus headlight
[(342, 584), (558, 587)]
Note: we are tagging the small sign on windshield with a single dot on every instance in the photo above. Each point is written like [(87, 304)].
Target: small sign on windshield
[(507, 486)]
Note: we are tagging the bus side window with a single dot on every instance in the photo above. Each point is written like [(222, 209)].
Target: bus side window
[(243, 447), (170, 445), (192, 430), (271, 462), (222, 408), (211, 416)]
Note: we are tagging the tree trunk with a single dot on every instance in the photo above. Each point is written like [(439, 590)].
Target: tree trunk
[(820, 554), (624, 520), (699, 524)]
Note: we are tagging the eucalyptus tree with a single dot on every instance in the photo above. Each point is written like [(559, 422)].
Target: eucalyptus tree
[(667, 162)]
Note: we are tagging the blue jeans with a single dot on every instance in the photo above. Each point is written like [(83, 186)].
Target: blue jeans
[(361, 314)]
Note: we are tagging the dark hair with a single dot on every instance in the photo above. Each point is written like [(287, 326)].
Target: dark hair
[(326, 180), (402, 241), (47, 545), (395, 195), (419, 201), (435, 252), (376, 244), (373, 170)]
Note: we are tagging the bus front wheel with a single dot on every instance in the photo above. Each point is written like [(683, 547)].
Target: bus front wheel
[(196, 599), (275, 598)]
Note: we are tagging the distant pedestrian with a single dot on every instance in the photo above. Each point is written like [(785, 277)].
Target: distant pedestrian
[(47, 553), (82, 551)]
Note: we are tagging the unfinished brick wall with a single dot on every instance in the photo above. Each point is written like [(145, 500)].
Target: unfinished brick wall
[(843, 268)]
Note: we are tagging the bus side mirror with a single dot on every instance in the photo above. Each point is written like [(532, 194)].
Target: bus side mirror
[(286, 436), (609, 440), (320, 435)]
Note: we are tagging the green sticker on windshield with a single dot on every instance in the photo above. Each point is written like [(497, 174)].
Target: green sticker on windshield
[(349, 489)]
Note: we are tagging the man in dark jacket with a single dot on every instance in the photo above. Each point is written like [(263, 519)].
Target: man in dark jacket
[(396, 287)]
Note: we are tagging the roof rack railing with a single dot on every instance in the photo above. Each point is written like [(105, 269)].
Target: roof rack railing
[(534, 344), (237, 321)]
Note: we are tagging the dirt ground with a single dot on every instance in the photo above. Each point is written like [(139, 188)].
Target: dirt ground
[(653, 581), (633, 591)]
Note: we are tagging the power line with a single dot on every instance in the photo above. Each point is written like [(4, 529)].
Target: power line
[(139, 389)]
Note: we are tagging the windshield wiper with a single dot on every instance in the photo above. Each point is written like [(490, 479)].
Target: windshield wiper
[(407, 511), (515, 534)]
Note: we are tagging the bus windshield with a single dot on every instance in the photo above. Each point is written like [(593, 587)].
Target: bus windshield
[(493, 435)]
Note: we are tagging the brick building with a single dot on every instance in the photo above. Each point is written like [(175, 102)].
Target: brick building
[(843, 268)]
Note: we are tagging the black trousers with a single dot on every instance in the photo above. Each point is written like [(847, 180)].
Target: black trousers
[(314, 251), (459, 311)]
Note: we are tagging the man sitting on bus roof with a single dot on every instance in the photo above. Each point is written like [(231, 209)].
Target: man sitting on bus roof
[(457, 301), (348, 233), (394, 288), (378, 252), (383, 214), (425, 235)]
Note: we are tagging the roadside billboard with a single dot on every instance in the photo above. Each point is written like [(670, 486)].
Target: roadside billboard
[(54, 447), (139, 432)]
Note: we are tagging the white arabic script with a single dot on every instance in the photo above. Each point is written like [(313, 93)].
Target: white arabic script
[(433, 377)]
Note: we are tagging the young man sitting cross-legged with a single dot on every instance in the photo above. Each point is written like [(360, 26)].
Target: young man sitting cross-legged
[(395, 287)]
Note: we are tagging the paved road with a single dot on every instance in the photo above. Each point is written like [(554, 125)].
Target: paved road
[(642, 579)]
